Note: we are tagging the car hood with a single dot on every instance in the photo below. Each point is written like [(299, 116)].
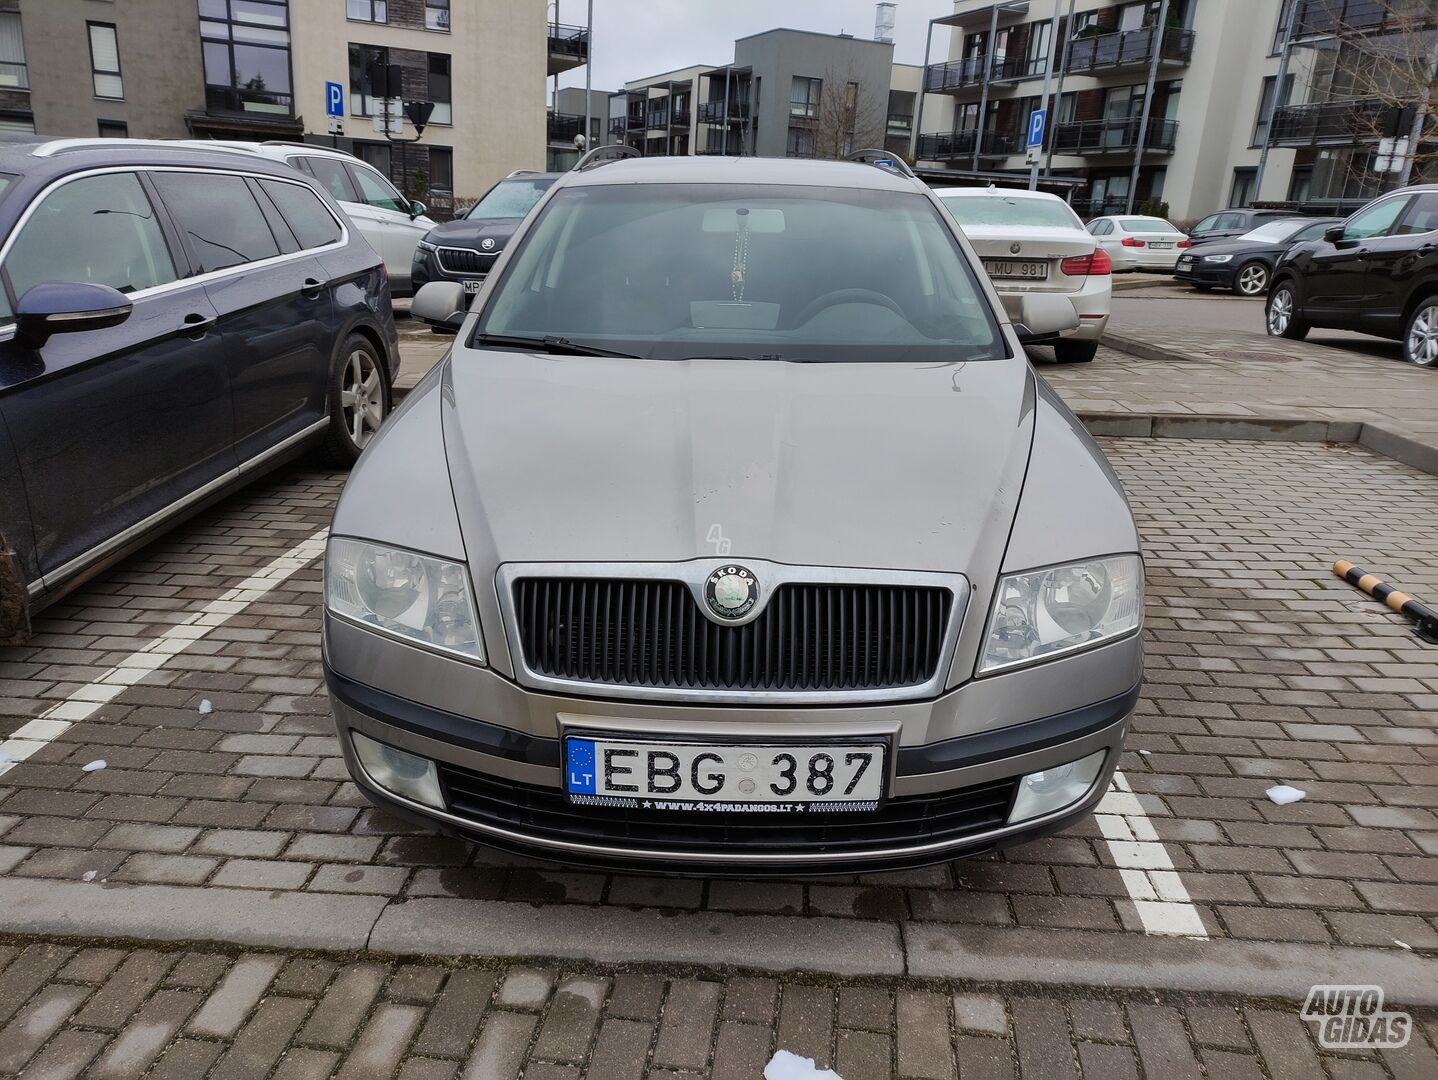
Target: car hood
[(905, 466), (470, 234), (1233, 246)]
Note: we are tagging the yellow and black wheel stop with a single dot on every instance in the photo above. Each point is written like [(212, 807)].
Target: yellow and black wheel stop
[(1396, 599)]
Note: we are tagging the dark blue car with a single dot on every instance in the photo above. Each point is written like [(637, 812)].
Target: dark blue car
[(173, 322)]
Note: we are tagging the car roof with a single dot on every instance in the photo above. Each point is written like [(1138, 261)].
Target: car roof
[(741, 170), (1008, 193), (40, 156)]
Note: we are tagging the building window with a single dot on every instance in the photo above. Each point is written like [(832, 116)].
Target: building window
[(246, 48), (901, 108), (436, 15), (1265, 102), (804, 96), (439, 89), (105, 61), (13, 73), (367, 10), (435, 88), (801, 142), (1243, 181), (441, 170), (114, 129), (1300, 184), (1281, 29)]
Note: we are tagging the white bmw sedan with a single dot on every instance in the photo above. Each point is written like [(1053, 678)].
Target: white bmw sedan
[(1134, 242), (1031, 241)]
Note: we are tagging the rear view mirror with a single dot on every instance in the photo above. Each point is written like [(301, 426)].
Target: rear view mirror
[(66, 307), (1333, 233), (1044, 316), (417, 209), (440, 303), (754, 221)]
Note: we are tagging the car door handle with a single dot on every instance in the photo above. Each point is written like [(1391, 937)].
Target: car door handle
[(312, 288), (197, 325)]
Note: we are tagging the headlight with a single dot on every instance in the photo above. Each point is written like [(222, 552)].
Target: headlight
[(1217, 258), (425, 245), (413, 597), (1044, 613)]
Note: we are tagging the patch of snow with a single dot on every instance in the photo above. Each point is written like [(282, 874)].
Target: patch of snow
[(1282, 794), (95, 766), (1403, 944), (88, 875), (206, 708), (786, 1066)]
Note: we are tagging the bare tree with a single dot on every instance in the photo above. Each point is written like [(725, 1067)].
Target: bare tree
[(1378, 74), (850, 115)]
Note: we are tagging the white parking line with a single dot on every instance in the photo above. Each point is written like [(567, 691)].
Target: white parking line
[(1163, 904), (89, 699)]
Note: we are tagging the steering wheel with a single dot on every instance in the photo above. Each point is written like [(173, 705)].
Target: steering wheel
[(847, 296)]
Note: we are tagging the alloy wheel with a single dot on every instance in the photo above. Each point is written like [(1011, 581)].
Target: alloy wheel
[(1280, 311), (362, 397), (1422, 344), (1253, 279)]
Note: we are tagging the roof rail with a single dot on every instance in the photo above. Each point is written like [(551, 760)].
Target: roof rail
[(306, 146), (601, 155), (65, 146), (884, 160), (523, 172)]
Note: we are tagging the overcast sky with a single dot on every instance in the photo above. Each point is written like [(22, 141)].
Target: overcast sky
[(634, 39)]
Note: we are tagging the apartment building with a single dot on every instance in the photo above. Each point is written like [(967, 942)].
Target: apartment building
[(259, 69), (1159, 102), (566, 124), (794, 93)]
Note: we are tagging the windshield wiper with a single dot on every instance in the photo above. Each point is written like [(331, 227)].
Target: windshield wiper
[(555, 346)]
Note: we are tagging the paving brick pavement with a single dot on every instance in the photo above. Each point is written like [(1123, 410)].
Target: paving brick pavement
[(75, 1010)]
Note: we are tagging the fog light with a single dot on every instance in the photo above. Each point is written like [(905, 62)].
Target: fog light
[(1042, 793), (407, 775)]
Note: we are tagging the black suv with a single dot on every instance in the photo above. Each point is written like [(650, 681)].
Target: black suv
[(465, 249), (1226, 223), (1376, 273), (173, 322)]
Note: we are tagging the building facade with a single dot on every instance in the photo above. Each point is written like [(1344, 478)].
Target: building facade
[(1166, 104), (259, 69)]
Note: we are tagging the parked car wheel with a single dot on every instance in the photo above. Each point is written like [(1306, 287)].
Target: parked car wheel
[(1420, 337), (1282, 314), (1251, 279), (359, 400), (1075, 352)]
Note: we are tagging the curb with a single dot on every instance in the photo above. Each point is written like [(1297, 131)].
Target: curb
[(1156, 283), (843, 948)]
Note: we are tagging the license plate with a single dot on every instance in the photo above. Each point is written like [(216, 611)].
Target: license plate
[(1160, 247), (1185, 260), (709, 776), (1035, 270), (471, 286)]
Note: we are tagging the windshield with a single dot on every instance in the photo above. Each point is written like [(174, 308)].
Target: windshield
[(680, 271), (510, 199), (1274, 230), (1004, 210), (1145, 224)]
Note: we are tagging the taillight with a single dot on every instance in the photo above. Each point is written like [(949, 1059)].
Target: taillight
[(1185, 243), (1129, 241), (1087, 265)]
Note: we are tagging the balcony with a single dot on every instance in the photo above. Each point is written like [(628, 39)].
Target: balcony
[(947, 146), (1325, 18), (712, 112), (568, 47), (1129, 48), (618, 125), (1114, 136), (1017, 68), (901, 122), (563, 127), (955, 75), (1339, 122)]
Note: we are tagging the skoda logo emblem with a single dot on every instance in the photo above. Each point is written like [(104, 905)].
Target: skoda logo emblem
[(487, 244), (1013, 249), (731, 592)]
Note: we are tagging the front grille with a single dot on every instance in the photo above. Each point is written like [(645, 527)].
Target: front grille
[(464, 261), (546, 813), (810, 637)]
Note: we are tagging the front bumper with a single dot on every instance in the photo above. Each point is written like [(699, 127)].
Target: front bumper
[(949, 798), (428, 266), (1199, 272)]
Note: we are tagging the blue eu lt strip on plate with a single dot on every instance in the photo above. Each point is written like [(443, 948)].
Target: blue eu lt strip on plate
[(579, 766)]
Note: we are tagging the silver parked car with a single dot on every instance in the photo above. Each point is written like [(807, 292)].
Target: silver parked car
[(735, 534)]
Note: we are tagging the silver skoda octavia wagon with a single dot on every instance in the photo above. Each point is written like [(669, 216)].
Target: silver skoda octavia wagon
[(735, 535)]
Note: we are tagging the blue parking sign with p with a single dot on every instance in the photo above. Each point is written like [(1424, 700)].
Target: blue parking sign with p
[(334, 99), (1036, 126)]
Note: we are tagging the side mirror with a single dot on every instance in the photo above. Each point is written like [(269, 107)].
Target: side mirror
[(417, 209), (67, 307), (1333, 233), (1044, 316), (440, 303)]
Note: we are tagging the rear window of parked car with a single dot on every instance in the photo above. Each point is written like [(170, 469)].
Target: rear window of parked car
[(99, 229), (304, 212), (219, 217), (999, 210), (1147, 224)]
